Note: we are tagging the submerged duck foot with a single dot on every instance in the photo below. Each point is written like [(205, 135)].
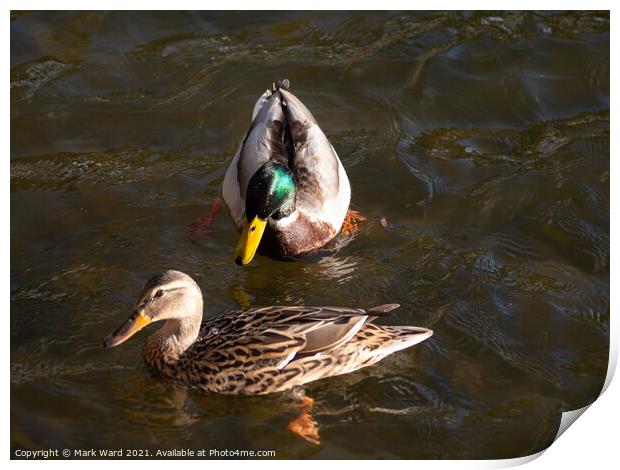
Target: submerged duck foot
[(304, 426), (201, 226), (352, 222)]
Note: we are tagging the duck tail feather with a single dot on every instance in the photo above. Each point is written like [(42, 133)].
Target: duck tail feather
[(284, 83), (383, 309)]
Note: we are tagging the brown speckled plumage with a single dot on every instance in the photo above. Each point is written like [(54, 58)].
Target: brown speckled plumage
[(270, 349)]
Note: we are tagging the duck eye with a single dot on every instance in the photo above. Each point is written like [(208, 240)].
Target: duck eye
[(159, 293)]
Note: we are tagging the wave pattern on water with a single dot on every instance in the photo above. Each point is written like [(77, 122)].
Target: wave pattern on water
[(477, 144)]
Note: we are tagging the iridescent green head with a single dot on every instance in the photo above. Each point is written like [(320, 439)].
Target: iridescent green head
[(270, 193)]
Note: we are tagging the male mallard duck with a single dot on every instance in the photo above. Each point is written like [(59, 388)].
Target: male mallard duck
[(260, 350), (286, 188)]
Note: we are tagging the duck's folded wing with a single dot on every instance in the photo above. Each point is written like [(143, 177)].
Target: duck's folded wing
[(254, 348), (315, 162), (264, 140), (282, 334)]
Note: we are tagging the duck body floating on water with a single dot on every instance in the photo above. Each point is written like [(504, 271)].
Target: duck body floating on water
[(285, 189), (260, 350)]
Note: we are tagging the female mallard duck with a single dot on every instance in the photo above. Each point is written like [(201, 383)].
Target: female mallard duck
[(286, 188), (256, 351)]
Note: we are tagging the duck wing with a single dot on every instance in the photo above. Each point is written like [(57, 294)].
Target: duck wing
[(275, 336), (315, 163), (264, 141)]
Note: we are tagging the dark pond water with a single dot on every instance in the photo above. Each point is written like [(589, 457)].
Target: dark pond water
[(482, 138)]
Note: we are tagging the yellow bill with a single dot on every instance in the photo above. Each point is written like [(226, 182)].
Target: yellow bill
[(133, 324), (249, 241)]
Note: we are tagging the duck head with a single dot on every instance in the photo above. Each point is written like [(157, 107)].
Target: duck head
[(270, 194), (172, 296)]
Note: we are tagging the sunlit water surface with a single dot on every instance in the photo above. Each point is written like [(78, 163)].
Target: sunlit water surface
[(481, 139)]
